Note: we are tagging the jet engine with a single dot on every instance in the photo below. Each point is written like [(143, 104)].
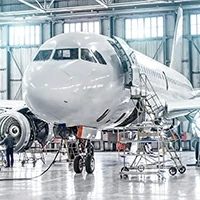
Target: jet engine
[(24, 127)]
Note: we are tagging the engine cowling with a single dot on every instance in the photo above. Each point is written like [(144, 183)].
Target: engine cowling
[(24, 127)]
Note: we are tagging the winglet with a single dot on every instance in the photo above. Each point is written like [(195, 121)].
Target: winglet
[(176, 57)]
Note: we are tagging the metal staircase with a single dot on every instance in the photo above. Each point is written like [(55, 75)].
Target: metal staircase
[(148, 99)]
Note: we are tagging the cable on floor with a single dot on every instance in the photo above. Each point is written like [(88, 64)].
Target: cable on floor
[(31, 178)]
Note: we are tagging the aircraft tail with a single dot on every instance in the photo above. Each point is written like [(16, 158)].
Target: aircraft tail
[(176, 57)]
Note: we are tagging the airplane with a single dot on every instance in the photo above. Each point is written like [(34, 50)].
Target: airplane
[(79, 83)]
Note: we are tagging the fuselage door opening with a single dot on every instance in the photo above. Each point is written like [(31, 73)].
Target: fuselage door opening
[(121, 49)]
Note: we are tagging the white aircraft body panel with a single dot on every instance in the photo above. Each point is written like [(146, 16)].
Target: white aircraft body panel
[(81, 92), (76, 91)]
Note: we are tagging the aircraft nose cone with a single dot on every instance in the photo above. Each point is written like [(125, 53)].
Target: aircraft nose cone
[(45, 91)]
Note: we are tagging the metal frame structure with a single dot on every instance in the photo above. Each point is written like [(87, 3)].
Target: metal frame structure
[(51, 10)]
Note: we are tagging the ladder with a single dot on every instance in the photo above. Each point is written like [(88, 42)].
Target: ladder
[(148, 98)]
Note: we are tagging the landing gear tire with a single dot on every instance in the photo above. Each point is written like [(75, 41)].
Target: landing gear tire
[(182, 169), (89, 164), (172, 170), (78, 164)]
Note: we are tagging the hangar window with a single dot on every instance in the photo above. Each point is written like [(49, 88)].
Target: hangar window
[(93, 27), (24, 35), (66, 54), (87, 55), (43, 55), (148, 27), (195, 24), (72, 27)]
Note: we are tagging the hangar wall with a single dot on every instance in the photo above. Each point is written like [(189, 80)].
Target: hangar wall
[(14, 59)]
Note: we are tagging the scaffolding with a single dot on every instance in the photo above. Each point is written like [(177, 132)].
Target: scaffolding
[(150, 132), (145, 157), (33, 154)]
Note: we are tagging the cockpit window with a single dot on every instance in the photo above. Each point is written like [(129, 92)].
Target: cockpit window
[(43, 55), (66, 54), (87, 55), (99, 57)]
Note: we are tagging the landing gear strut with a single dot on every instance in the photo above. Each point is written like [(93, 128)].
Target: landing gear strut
[(85, 158)]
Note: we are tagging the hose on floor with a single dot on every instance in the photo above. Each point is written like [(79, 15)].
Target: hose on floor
[(31, 178)]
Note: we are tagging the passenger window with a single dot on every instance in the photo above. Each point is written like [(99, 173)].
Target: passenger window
[(99, 57), (43, 55), (87, 55), (66, 54)]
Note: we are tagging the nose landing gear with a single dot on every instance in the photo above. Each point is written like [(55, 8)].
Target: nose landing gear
[(85, 158)]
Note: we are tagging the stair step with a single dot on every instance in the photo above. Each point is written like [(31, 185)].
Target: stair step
[(136, 97)]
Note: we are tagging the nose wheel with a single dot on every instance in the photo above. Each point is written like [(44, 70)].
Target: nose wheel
[(78, 164), (86, 161), (89, 164)]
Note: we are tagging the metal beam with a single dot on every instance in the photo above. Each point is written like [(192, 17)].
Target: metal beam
[(39, 4), (114, 8), (196, 47), (31, 5), (103, 3), (52, 1), (15, 61), (45, 4), (158, 49)]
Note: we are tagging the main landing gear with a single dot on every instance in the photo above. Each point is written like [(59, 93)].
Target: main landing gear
[(85, 158)]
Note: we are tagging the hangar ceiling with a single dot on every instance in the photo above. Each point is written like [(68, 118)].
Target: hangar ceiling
[(40, 10)]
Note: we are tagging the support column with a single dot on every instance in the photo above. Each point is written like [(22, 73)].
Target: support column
[(8, 64), (165, 49), (42, 34), (112, 27), (190, 52)]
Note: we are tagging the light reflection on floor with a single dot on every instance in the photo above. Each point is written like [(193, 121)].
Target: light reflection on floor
[(60, 182)]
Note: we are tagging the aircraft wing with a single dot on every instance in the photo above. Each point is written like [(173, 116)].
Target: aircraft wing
[(9, 104), (182, 107)]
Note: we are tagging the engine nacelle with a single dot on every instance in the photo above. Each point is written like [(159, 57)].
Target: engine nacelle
[(24, 127)]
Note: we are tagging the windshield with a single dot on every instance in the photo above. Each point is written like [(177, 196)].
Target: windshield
[(87, 55), (66, 54), (99, 57), (43, 55)]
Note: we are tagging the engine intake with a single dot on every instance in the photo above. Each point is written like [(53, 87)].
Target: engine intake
[(24, 127)]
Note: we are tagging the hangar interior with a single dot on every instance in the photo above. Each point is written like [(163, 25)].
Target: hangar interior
[(148, 27), (25, 25)]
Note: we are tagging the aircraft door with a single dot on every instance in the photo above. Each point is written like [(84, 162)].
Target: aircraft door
[(126, 61)]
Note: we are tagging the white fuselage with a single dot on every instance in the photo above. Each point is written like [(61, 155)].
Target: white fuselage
[(88, 91)]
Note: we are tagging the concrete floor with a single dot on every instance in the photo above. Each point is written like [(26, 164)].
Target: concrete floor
[(60, 182)]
